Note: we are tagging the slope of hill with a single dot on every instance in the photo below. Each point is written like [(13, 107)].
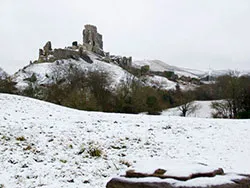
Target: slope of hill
[(157, 65), (45, 72), (47, 145)]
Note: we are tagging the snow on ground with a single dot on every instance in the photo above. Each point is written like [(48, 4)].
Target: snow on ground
[(164, 83), (173, 168), (178, 168), (196, 182), (161, 82), (204, 110), (157, 65), (56, 141)]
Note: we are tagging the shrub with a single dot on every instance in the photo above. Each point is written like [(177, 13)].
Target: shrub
[(6, 138), (20, 138), (145, 69), (94, 151), (168, 74), (128, 164), (153, 105), (244, 115), (82, 150), (7, 86), (32, 79), (33, 91), (63, 161), (91, 149), (27, 148)]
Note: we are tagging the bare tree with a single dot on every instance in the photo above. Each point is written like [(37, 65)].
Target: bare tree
[(185, 99), (188, 108), (233, 89), (222, 109)]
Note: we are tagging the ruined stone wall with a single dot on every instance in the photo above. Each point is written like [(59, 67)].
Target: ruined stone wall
[(47, 54), (122, 61), (66, 54)]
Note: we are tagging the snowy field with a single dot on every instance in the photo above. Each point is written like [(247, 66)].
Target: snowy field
[(46, 145)]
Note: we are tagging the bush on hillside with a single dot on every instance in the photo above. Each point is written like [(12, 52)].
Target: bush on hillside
[(133, 97), (7, 86), (32, 78), (145, 69)]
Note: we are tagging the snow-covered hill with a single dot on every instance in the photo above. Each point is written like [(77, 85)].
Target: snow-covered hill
[(43, 144), (157, 65), (46, 71)]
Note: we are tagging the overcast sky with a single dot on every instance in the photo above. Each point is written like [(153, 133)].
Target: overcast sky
[(188, 33)]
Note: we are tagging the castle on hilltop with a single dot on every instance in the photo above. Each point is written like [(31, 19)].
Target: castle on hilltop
[(92, 42)]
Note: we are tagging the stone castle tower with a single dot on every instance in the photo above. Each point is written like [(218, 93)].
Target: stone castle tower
[(92, 39)]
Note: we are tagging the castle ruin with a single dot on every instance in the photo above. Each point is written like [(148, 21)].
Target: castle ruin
[(92, 42), (92, 39)]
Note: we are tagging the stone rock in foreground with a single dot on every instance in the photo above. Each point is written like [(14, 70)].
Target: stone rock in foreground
[(140, 183), (179, 175)]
